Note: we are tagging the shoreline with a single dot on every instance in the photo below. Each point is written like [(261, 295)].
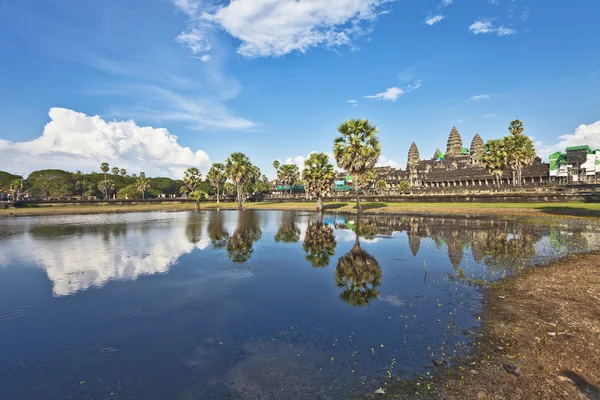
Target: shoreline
[(517, 210), (539, 339)]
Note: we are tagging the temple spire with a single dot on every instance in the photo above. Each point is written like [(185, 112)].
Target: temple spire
[(413, 155), (454, 145), (477, 148)]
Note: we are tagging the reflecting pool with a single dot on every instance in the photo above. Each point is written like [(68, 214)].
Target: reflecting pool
[(248, 304)]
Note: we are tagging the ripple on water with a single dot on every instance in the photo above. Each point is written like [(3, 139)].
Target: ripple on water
[(14, 312)]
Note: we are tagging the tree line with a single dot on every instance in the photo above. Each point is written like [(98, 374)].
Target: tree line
[(356, 151)]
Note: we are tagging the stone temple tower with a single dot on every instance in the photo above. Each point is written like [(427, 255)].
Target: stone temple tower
[(476, 150), (454, 143), (412, 164)]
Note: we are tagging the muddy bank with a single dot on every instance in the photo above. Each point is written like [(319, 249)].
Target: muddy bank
[(540, 339)]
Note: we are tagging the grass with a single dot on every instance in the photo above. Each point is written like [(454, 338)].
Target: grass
[(474, 209)]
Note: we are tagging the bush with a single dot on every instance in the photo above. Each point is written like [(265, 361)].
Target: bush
[(129, 192)]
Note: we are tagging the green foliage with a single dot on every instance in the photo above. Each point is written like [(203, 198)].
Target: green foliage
[(359, 275), (104, 167), (6, 179), (494, 157), (516, 127), (216, 177), (129, 192), (115, 170), (381, 186), (318, 175), (51, 183), (143, 184), (404, 185), (288, 175), (239, 169), (107, 187), (368, 179), (319, 244)]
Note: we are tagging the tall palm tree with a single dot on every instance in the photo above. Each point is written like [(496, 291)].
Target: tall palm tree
[(494, 158), (143, 184), (520, 153), (237, 167), (318, 175), (516, 127), (123, 172), (276, 165), (15, 188), (191, 182), (115, 170), (357, 150), (288, 175), (107, 187), (217, 178), (104, 167)]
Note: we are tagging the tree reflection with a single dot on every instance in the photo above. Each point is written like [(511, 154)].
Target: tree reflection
[(319, 243), (216, 230), (193, 227), (288, 232), (358, 274), (239, 245)]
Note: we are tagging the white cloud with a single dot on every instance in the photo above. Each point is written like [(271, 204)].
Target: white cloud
[(485, 26), (272, 28), (583, 135), (391, 94), (494, 2), (73, 140), (195, 40), (446, 3), (412, 87), (299, 161), (386, 162), (480, 97), (351, 101), (434, 19), (489, 115)]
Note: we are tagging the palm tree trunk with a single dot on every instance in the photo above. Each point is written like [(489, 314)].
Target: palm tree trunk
[(357, 189), (217, 194), (197, 204), (239, 197), (514, 174), (319, 204), (105, 187)]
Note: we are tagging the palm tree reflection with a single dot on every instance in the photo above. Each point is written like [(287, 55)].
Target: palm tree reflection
[(216, 230), (288, 232), (239, 245), (358, 274), (319, 243)]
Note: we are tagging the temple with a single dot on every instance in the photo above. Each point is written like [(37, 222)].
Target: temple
[(458, 167)]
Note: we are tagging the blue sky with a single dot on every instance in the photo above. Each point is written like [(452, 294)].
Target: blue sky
[(273, 78)]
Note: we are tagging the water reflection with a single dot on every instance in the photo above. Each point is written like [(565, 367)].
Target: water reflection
[(240, 245), (319, 243), (288, 231), (358, 272), (216, 230)]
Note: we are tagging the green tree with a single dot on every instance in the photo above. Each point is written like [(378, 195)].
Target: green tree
[(276, 165), (318, 175), (288, 175), (319, 243), (191, 180), (143, 184), (238, 167), (104, 167), (129, 192), (357, 150), (51, 183), (15, 189), (494, 158), (107, 186), (368, 179), (229, 189), (516, 127), (115, 170), (123, 172), (404, 185), (381, 186), (217, 177), (520, 153)]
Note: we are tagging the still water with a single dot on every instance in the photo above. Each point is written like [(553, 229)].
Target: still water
[(250, 304)]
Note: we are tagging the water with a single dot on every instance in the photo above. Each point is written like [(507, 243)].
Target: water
[(248, 305)]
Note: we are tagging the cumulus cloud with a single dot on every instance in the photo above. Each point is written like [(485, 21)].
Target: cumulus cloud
[(75, 140), (485, 26), (583, 135), (434, 19), (480, 97), (270, 28), (391, 94), (195, 40), (386, 162)]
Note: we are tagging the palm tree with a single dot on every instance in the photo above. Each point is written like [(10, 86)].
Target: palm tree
[(516, 127), (319, 243), (216, 176), (276, 165), (107, 187), (494, 158), (357, 150), (191, 181), (123, 172), (288, 175), (143, 184), (368, 179), (115, 170), (15, 188), (318, 176), (520, 153), (237, 167), (104, 167), (358, 274)]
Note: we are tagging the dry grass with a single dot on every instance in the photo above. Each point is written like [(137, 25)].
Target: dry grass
[(546, 322)]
